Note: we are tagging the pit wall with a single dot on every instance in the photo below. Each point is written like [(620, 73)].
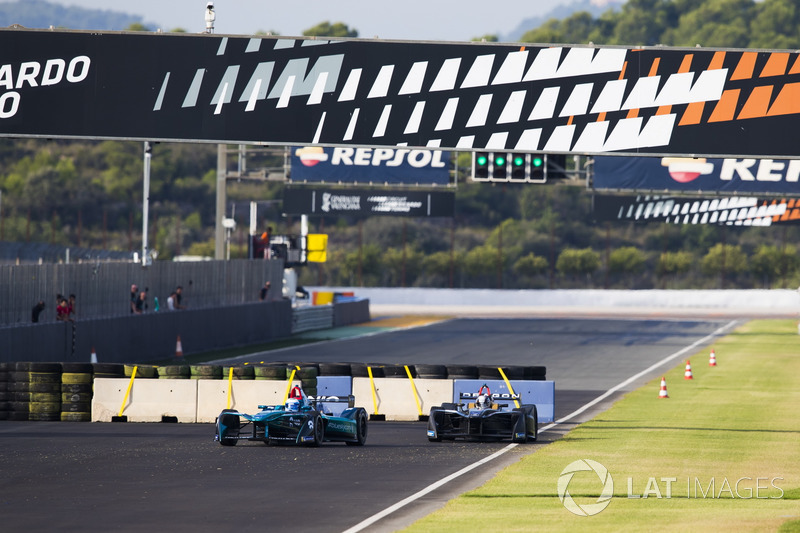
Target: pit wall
[(201, 400)]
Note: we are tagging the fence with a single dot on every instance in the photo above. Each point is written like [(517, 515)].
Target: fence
[(102, 289)]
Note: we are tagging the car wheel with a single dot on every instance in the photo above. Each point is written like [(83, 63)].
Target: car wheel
[(319, 431), (228, 427), (361, 429)]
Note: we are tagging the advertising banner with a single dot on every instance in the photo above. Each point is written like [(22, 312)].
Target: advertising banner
[(316, 164), (366, 202), (729, 211), (747, 176), (377, 93)]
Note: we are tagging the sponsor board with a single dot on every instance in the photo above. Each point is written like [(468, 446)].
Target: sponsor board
[(741, 176), (322, 202), (379, 93), (314, 164)]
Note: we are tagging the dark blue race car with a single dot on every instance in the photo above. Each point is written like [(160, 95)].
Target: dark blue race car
[(482, 417), (301, 420)]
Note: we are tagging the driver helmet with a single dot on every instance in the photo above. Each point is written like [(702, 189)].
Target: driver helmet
[(482, 402), (293, 404)]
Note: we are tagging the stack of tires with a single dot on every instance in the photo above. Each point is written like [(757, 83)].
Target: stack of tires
[(36, 391), (206, 371), (76, 392), (239, 372), (334, 369), (5, 402), (142, 371), (431, 371), (270, 372), (174, 372), (306, 374), (109, 370)]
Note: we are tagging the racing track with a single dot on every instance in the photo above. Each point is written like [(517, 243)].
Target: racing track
[(128, 477)]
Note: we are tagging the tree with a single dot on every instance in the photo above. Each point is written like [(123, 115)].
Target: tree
[(770, 262), (723, 260), (578, 262), (626, 260), (531, 265), (672, 263), (326, 29)]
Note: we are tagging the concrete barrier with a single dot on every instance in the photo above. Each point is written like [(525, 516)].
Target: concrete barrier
[(201, 400), (395, 397), (246, 396)]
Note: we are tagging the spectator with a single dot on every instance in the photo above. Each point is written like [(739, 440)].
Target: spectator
[(37, 310), (178, 296), (62, 310), (171, 301), (141, 303), (71, 313), (134, 296), (265, 291)]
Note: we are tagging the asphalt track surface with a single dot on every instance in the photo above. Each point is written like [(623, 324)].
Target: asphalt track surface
[(59, 476)]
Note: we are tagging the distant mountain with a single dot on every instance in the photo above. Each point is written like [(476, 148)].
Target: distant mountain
[(595, 7), (42, 14)]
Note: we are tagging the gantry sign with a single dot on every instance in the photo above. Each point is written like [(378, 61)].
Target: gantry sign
[(464, 96)]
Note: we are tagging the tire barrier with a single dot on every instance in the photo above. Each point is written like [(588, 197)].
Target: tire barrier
[(5, 404), (270, 372), (142, 371), (36, 392), (76, 392), (205, 371), (239, 372), (174, 372)]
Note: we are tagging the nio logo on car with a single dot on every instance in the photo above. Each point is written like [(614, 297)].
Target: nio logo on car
[(337, 427)]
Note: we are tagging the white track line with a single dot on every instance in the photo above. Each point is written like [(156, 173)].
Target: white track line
[(430, 488)]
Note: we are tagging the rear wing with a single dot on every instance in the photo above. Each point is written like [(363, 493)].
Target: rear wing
[(350, 400), (494, 397)]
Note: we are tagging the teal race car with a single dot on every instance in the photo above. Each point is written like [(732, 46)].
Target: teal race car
[(301, 420)]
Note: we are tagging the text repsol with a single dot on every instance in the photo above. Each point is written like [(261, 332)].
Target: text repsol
[(35, 74)]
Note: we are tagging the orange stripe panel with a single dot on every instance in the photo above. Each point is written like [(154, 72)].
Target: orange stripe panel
[(664, 110), (601, 117), (693, 114), (787, 102), (744, 70), (757, 104), (686, 64), (776, 65), (654, 67), (717, 61), (796, 67), (633, 113), (726, 107)]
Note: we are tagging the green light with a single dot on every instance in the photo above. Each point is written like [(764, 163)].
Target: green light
[(481, 160), (537, 161), (500, 161), (518, 161)]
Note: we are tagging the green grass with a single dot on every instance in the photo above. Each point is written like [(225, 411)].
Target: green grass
[(740, 419)]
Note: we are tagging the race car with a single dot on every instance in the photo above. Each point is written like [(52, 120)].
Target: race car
[(483, 418), (301, 420)]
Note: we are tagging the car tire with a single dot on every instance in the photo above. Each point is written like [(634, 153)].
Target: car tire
[(319, 432), (361, 428), (232, 424)]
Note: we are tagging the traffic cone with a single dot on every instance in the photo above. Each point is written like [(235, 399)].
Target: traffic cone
[(94, 356), (712, 359), (688, 373), (663, 392), (178, 348)]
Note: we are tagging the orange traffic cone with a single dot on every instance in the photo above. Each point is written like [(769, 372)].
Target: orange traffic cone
[(712, 359), (663, 392), (688, 373), (178, 348), (94, 356)]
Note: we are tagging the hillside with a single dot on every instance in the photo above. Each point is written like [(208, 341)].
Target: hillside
[(43, 14)]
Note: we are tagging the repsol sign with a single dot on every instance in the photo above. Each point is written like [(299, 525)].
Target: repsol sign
[(370, 165), (33, 74)]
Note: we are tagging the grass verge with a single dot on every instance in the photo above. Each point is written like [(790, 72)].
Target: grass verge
[(721, 453)]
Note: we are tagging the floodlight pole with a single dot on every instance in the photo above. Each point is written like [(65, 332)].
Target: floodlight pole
[(222, 170), (146, 200)]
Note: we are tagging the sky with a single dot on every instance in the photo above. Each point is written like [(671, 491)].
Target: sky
[(438, 20)]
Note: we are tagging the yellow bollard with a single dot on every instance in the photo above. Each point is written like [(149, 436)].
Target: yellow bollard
[(508, 384), (230, 386), (289, 386), (127, 392), (414, 390)]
